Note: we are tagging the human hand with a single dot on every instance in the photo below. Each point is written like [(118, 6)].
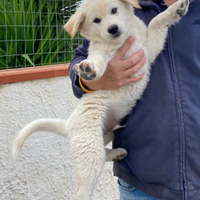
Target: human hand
[(119, 72)]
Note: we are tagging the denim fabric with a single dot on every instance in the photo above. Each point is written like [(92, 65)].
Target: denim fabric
[(128, 192)]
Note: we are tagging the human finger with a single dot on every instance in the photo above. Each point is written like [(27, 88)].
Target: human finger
[(132, 60), (132, 79), (135, 68), (124, 48)]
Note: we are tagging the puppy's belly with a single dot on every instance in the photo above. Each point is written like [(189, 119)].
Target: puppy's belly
[(110, 122), (115, 113)]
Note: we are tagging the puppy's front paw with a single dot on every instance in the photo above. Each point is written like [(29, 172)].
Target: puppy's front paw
[(177, 10), (86, 70), (183, 7)]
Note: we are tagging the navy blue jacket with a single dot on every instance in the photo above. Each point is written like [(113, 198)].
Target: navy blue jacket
[(162, 134)]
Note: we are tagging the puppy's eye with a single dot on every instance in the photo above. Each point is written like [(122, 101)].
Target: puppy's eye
[(114, 10), (97, 20)]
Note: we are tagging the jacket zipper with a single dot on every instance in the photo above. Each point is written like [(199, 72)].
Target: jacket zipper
[(180, 120)]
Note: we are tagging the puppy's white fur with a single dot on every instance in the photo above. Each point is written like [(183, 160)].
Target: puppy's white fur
[(101, 111)]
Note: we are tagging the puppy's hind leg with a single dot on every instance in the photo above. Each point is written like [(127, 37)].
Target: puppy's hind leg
[(89, 154), (113, 154)]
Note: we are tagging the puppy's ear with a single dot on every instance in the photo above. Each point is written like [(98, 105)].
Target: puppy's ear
[(75, 23), (134, 3)]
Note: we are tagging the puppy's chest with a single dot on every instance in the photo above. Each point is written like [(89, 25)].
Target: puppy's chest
[(110, 51), (136, 46)]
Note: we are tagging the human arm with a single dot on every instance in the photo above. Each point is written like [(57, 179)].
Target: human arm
[(81, 53)]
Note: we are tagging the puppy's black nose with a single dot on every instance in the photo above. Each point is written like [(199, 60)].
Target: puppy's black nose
[(113, 29)]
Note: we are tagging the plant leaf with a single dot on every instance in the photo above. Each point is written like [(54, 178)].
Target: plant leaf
[(29, 59)]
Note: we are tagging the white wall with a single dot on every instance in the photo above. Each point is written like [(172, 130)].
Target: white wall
[(44, 170)]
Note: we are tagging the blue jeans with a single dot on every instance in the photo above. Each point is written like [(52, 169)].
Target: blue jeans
[(129, 193)]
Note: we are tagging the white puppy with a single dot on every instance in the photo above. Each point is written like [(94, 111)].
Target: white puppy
[(106, 24)]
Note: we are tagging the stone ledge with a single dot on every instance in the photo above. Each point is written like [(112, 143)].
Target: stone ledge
[(33, 73)]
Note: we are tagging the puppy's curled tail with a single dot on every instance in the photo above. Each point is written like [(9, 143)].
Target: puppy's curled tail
[(48, 125)]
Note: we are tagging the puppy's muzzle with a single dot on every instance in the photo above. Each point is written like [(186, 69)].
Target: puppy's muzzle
[(114, 30)]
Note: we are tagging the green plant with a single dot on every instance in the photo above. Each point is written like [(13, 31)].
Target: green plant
[(31, 33)]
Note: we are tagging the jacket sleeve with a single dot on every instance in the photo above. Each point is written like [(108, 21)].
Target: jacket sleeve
[(81, 53)]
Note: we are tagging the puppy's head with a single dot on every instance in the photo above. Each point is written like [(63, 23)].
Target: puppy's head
[(102, 20)]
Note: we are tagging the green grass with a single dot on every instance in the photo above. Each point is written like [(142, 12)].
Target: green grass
[(32, 34)]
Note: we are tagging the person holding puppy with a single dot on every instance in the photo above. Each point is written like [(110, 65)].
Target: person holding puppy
[(161, 134)]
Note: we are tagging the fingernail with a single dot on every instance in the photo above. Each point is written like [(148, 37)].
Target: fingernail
[(131, 39), (141, 52), (141, 73), (143, 59)]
